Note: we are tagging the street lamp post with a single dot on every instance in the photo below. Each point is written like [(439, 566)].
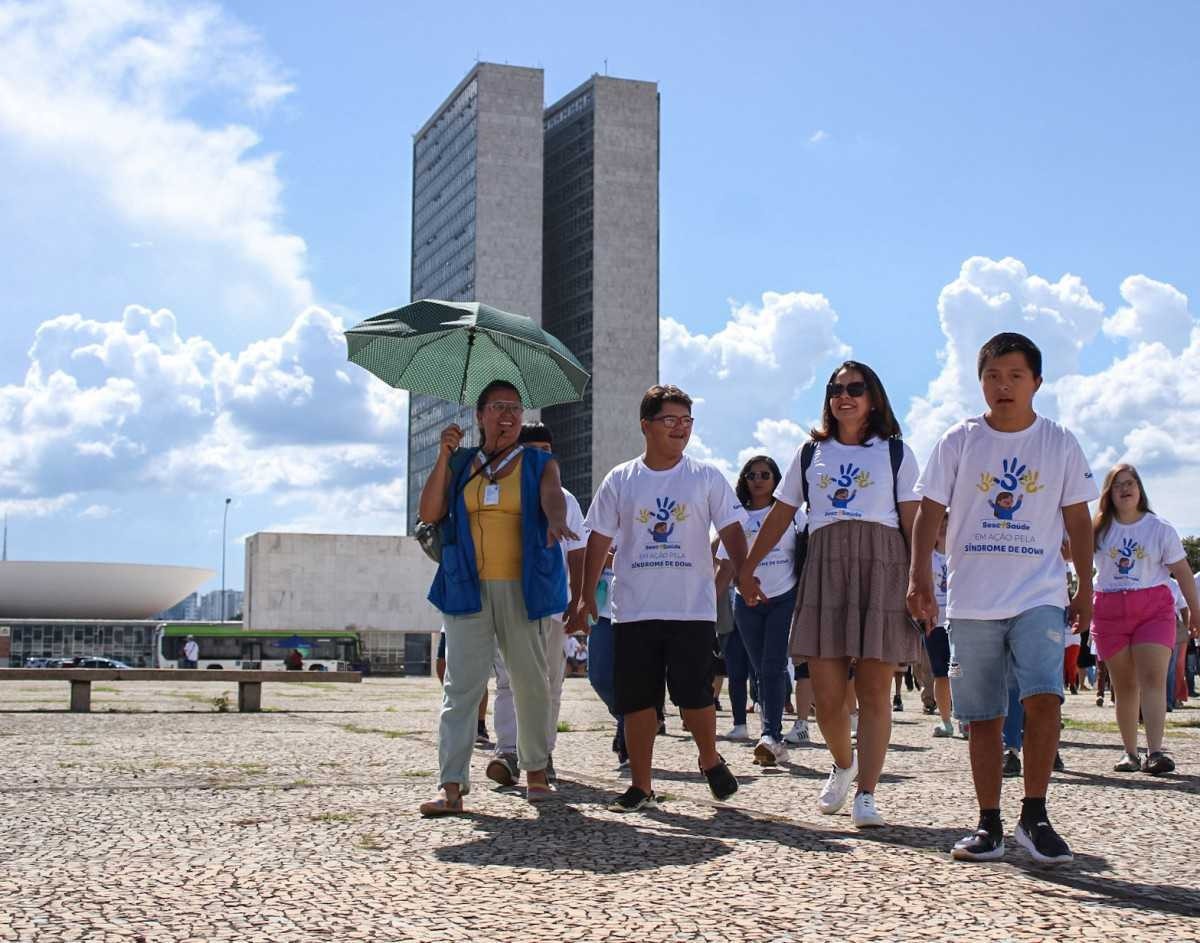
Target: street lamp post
[(224, 527)]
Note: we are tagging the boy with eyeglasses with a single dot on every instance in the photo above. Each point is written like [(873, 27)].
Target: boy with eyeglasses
[(1006, 596), (659, 508)]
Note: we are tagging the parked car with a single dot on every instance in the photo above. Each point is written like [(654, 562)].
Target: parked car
[(38, 662), (95, 661)]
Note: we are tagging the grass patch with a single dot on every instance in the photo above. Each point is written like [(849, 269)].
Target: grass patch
[(416, 773), (332, 817), (250, 822), (1093, 726), (252, 769), (104, 689), (79, 743), (564, 726), (220, 703), (369, 843), (1194, 724), (390, 734), (63, 765)]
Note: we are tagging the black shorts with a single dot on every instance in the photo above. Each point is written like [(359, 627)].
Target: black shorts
[(647, 653), (937, 644), (801, 671)]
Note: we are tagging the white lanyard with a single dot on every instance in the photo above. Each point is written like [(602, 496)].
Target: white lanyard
[(489, 472)]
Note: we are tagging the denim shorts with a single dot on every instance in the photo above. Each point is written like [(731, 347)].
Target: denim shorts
[(986, 655)]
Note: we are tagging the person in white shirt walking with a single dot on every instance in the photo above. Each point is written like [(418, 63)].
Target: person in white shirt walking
[(856, 478), (191, 653), (1012, 481), (659, 508), (1136, 554)]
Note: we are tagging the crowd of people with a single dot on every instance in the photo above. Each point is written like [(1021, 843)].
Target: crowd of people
[(981, 574)]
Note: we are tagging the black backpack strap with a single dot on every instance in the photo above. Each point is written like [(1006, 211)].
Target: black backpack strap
[(807, 451), (896, 453)]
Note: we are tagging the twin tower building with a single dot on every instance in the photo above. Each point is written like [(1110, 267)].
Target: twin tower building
[(551, 212)]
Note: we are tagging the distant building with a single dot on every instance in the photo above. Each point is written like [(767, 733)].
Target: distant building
[(552, 213), (186, 610), (212, 611)]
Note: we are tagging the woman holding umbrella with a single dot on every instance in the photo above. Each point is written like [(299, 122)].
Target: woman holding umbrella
[(502, 512)]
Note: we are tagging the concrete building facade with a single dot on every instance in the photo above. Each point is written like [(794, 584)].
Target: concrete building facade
[(375, 585), (491, 167), (476, 222), (600, 282)]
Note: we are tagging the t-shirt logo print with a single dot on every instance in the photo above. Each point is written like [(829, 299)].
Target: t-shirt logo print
[(848, 475), (1127, 555), (665, 515), (1013, 479)]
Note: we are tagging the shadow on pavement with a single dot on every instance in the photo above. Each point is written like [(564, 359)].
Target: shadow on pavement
[(616, 844), (1177, 782)]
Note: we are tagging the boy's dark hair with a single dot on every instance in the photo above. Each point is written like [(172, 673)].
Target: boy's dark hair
[(881, 422), (658, 395), (1011, 343), (536, 432)]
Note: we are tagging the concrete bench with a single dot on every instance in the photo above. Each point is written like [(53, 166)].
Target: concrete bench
[(249, 682)]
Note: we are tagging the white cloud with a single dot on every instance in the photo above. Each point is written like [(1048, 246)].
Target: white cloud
[(1153, 311), (102, 92), (775, 350), (97, 512), (36, 507), (120, 404), (818, 137)]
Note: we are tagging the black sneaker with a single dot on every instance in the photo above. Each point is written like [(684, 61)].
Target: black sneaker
[(1059, 765), (1012, 764), (1158, 763), (1044, 843), (897, 704), (633, 800), (481, 736), (721, 782), (982, 846)]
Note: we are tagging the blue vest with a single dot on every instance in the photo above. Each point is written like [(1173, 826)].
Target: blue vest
[(455, 589)]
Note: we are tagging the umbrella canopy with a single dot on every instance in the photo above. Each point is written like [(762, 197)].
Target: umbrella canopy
[(452, 350)]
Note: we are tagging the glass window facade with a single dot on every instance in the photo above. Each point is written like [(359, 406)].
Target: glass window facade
[(443, 260), (567, 300), (130, 642)]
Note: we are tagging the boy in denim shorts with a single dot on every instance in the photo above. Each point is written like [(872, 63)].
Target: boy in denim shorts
[(1013, 481)]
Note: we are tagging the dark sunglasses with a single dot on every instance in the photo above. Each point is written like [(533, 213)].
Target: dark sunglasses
[(759, 476), (856, 389)]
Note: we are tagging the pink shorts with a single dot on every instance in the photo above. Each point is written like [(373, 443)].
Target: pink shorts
[(1133, 617)]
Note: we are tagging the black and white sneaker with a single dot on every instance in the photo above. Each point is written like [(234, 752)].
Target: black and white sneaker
[(633, 800), (1044, 843), (982, 846), (1158, 763)]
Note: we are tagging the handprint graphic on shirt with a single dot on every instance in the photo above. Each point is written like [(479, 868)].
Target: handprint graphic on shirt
[(846, 475), (1011, 476), (986, 482), (823, 481), (679, 512), (863, 479), (1126, 555), (1030, 482)]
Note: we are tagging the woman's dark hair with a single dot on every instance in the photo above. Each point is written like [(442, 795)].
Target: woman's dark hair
[(743, 486), (658, 395), (881, 421), (1011, 343), (1105, 509), (481, 401), (536, 432)]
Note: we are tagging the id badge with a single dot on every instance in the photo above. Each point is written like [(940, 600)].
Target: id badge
[(491, 495)]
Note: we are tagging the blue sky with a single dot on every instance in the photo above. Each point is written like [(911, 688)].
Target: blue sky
[(246, 168)]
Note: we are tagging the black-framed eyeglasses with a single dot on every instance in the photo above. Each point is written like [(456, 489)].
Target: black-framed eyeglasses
[(856, 389), (759, 476), (671, 422)]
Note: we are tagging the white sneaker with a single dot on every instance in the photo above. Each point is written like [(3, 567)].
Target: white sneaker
[(738, 732), (798, 734), (833, 793), (854, 723), (769, 752), (944, 729), (865, 815)]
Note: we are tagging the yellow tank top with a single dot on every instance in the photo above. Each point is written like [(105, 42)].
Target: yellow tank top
[(496, 528)]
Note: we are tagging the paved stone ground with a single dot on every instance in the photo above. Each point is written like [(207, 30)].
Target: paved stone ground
[(156, 818)]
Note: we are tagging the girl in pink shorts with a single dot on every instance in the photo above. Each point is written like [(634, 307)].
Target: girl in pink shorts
[(1133, 623)]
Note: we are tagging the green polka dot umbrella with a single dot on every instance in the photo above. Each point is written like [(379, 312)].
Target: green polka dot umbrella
[(452, 350)]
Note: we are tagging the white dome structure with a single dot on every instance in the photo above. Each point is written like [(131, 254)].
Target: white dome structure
[(32, 589)]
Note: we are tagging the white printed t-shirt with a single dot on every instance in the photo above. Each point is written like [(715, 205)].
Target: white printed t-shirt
[(777, 572), (575, 522), (1006, 492), (1136, 556), (850, 483), (661, 520)]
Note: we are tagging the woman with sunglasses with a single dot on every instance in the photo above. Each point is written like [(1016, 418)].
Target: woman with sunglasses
[(500, 580), (764, 628), (856, 478)]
